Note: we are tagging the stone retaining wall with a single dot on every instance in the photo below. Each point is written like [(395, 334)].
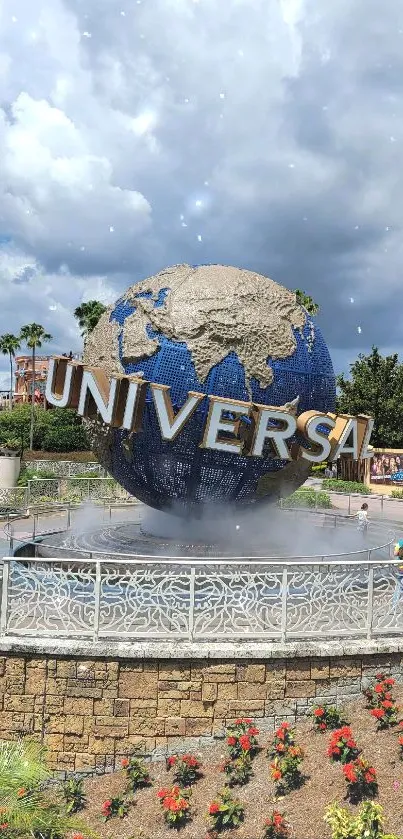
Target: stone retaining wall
[(91, 711)]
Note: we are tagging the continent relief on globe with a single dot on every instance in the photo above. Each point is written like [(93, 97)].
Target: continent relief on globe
[(213, 310)]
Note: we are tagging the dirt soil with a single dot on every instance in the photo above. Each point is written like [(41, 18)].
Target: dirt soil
[(304, 808), (78, 457)]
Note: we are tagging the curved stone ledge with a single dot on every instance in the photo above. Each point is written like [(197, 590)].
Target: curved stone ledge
[(198, 650)]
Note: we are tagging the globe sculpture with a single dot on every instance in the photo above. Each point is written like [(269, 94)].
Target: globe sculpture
[(221, 331)]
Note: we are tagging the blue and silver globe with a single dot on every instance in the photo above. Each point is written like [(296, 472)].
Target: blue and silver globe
[(220, 331)]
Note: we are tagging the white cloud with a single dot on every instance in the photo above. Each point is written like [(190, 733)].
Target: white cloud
[(278, 116)]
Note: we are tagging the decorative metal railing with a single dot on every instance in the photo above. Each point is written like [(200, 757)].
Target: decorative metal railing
[(233, 599)]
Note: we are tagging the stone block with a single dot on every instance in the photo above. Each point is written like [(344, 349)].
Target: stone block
[(209, 692), (21, 704), (79, 706), (35, 683), (197, 727), (66, 669), (147, 726), (168, 708), (342, 667), (175, 727), (104, 707), (298, 670), (196, 709), (54, 742), (254, 690), (139, 704), (84, 760), (73, 724), (246, 708), (15, 666), (173, 673), (225, 691), (300, 688), (55, 723), (121, 707), (133, 685), (275, 691), (320, 668), (255, 673), (84, 692)]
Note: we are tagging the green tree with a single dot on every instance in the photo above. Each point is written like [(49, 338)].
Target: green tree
[(34, 336), (307, 302), (8, 345), (26, 808), (375, 387), (88, 315)]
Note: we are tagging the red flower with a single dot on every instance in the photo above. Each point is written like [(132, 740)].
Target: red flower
[(162, 793), (276, 774), (253, 732), (387, 704), (78, 836), (390, 682), (277, 819), (318, 712), (380, 677), (370, 776), (378, 713), (280, 747), (124, 764), (171, 761), (214, 808), (245, 743), (4, 826), (379, 688), (401, 741), (349, 773), (322, 726), (232, 741)]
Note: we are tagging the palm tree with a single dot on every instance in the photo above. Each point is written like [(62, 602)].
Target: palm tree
[(34, 336), (8, 345), (307, 302), (88, 315), (26, 808)]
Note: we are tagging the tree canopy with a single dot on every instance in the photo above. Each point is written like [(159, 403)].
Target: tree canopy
[(88, 315), (375, 387), (307, 302)]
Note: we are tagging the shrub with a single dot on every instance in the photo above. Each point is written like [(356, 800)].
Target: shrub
[(397, 493), (342, 746), (136, 772), (368, 824), (283, 739), (187, 769), (31, 474), (326, 717), (276, 827), (349, 487), (381, 701), (361, 780), (175, 804), (239, 770), (307, 498), (66, 439), (74, 795), (241, 737), (225, 812), (114, 807), (285, 770)]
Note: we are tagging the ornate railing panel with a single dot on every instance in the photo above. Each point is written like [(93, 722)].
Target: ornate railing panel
[(187, 599)]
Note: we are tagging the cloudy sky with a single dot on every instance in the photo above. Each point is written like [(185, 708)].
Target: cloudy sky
[(268, 134)]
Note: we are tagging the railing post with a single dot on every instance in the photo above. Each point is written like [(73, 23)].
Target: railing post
[(382, 506), (191, 602), (349, 504), (4, 597), (88, 490), (68, 515), (284, 592), (97, 598), (34, 526), (370, 605)]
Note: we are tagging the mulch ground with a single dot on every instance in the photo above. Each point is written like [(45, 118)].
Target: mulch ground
[(304, 808)]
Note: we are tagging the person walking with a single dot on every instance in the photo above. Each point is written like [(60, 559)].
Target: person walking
[(362, 516), (398, 552)]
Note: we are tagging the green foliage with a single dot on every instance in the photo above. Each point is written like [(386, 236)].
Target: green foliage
[(348, 487), (368, 824), (307, 302), (308, 498), (397, 493), (59, 429), (74, 795), (319, 467), (88, 315), (375, 387), (26, 806), (226, 812), (31, 474)]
